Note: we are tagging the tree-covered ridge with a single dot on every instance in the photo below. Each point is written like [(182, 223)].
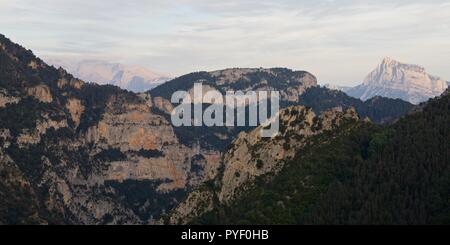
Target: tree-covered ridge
[(359, 174), (236, 79), (377, 109)]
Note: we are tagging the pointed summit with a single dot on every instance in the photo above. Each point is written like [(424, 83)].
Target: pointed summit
[(387, 60), (394, 79)]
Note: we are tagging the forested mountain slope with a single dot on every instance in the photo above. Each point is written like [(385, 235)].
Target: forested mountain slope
[(358, 174)]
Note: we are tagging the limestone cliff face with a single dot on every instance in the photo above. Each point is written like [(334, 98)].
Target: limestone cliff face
[(76, 110), (33, 136), (251, 156), (138, 130), (149, 151), (40, 92)]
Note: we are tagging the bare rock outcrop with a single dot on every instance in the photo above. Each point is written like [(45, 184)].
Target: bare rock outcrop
[(6, 99), (76, 110), (41, 93)]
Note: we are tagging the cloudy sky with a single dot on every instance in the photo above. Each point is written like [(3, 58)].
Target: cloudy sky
[(339, 41)]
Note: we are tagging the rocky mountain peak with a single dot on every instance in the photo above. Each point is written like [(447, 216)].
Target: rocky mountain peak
[(133, 78), (394, 79), (388, 61)]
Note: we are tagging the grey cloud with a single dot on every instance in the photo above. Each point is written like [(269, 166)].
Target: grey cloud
[(338, 40)]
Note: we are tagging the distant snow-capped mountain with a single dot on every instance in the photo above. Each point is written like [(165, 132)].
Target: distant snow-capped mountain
[(133, 78), (394, 79)]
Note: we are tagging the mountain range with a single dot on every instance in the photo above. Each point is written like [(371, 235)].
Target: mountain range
[(73, 152), (394, 79), (133, 78), (391, 79)]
